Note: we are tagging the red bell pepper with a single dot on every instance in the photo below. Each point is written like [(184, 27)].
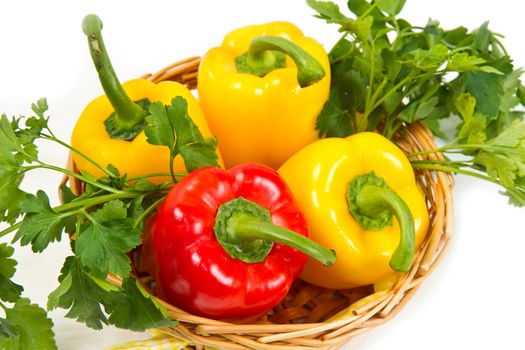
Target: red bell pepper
[(213, 239)]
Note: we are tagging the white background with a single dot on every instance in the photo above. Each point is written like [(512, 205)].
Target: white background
[(475, 297)]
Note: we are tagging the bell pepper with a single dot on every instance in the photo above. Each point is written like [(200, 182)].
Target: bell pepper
[(261, 92), (110, 129), (213, 239), (358, 194)]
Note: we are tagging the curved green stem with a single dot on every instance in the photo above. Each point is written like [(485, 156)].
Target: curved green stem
[(371, 199), (10, 229), (129, 117), (249, 229), (148, 211), (79, 177), (372, 203), (265, 55), (244, 229), (83, 204), (83, 155)]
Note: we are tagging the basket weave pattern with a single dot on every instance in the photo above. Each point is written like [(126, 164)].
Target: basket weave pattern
[(304, 319)]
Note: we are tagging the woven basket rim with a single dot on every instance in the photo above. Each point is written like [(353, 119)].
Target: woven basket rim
[(332, 334)]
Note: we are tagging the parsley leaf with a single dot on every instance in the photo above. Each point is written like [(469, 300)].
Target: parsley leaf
[(41, 225), (10, 173), (171, 126), (9, 291), (105, 239), (473, 128), (79, 293), (129, 306), (135, 309), (25, 327)]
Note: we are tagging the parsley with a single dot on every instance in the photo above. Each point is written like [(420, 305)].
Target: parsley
[(105, 239), (387, 73), (107, 220), (171, 126), (26, 326), (9, 291)]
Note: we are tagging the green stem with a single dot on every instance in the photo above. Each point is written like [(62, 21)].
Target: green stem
[(372, 203), (445, 149), (148, 211), (403, 82), (370, 199), (77, 151), (249, 229), (91, 202), (172, 171), (455, 170), (262, 57), (364, 119), (10, 229), (131, 179), (128, 119), (85, 203), (246, 232), (78, 176)]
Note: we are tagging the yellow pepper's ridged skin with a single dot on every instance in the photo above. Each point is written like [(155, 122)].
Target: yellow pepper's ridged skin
[(136, 157), (267, 119), (318, 176)]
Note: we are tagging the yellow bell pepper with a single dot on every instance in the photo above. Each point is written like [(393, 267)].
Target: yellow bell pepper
[(109, 130), (261, 92), (359, 196)]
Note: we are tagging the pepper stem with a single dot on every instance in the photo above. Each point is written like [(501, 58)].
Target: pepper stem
[(266, 54), (128, 120), (372, 203), (245, 231)]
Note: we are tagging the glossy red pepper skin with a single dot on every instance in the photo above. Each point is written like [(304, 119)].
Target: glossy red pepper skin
[(195, 273)]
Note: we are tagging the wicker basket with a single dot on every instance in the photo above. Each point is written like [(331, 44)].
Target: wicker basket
[(311, 317)]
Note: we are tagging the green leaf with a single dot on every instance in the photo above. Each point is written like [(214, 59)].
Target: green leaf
[(171, 126), (198, 155), (392, 7), (143, 185), (135, 309), (10, 173), (474, 125), (190, 138), (105, 239), (430, 59), (462, 61), (328, 11), (498, 167), (333, 121), (159, 130), (9, 291), (418, 110), (482, 38), (40, 107), (486, 89), (457, 36), (363, 27), (26, 327), (79, 293), (513, 136), (66, 194), (41, 225)]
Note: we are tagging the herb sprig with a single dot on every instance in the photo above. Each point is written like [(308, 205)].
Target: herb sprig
[(106, 220), (387, 73)]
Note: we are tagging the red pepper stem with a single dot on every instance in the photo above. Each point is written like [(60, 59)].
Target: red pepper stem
[(263, 57), (372, 203), (249, 229), (128, 115), (245, 231)]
